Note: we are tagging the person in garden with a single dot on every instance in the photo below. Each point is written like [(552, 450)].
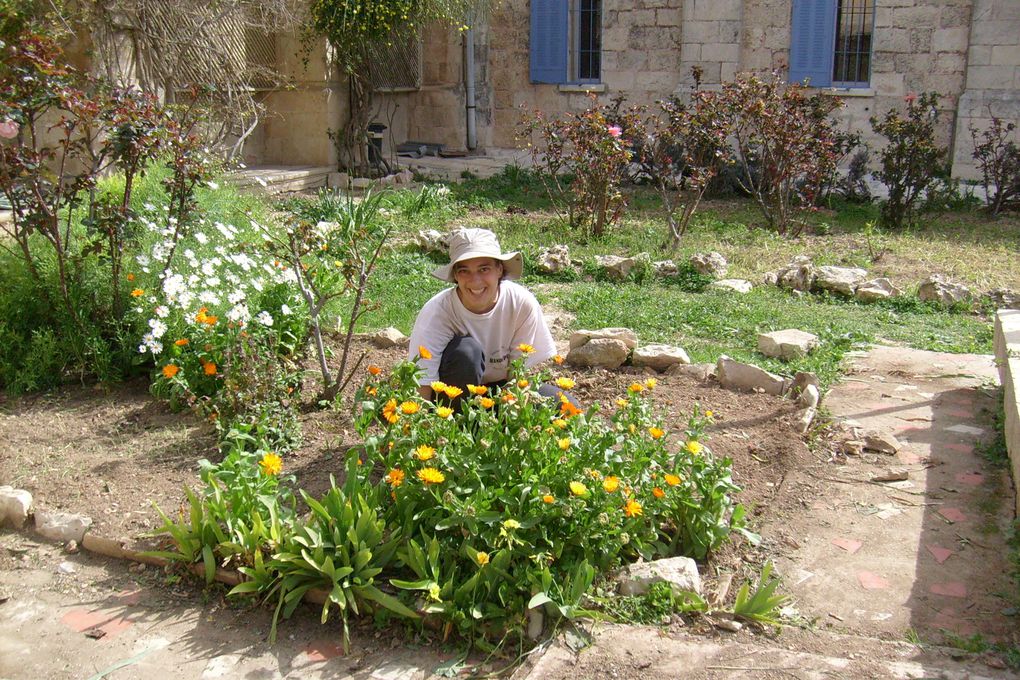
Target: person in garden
[(471, 331)]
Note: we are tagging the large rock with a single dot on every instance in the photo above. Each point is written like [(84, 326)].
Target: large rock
[(554, 260), (387, 337), (681, 572), (602, 352), (432, 241), (711, 264), (696, 371), (876, 289), (665, 268), (842, 280), (15, 504), (882, 442), (738, 285), (798, 275), (748, 377), (62, 526), (786, 345), (615, 267), (659, 357), (624, 335), (937, 288), (1003, 298)]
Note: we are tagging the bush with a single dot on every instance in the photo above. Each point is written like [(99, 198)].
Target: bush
[(911, 160), (998, 159)]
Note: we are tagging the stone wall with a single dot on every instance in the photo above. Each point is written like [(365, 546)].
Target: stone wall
[(1007, 356)]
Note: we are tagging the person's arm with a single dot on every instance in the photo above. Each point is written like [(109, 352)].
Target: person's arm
[(425, 391)]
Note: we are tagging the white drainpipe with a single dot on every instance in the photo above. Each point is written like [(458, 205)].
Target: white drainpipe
[(469, 86)]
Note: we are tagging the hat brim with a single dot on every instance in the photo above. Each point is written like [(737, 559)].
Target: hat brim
[(513, 265)]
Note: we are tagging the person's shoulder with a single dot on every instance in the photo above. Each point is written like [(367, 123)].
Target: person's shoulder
[(440, 299), (518, 292)]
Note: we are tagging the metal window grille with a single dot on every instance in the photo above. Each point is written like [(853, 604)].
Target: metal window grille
[(854, 22), (396, 65), (587, 25)]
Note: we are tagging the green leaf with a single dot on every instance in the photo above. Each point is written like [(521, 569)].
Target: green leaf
[(388, 601), (209, 560), (538, 599)]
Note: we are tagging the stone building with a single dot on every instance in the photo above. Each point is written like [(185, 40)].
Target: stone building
[(548, 54)]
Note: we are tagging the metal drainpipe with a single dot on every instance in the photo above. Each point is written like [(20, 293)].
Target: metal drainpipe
[(469, 86)]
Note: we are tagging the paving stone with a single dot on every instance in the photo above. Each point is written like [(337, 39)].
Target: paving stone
[(959, 448), (970, 478), (81, 620), (939, 553), (221, 666), (871, 581), (908, 457), (322, 650), (966, 429), (949, 589), (959, 413), (949, 619), (953, 514), (848, 544)]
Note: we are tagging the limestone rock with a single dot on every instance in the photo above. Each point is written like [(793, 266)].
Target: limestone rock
[(876, 289), (787, 344), (697, 371), (659, 357), (554, 260), (62, 526), (798, 275), (624, 335), (681, 572), (665, 268), (809, 397), (802, 379), (770, 279), (615, 267), (603, 352), (1003, 298), (882, 442), (842, 280), (710, 264), (738, 285), (804, 418), (15, 504), (432, 241), (937, 288), (748, 377), (387, 337)]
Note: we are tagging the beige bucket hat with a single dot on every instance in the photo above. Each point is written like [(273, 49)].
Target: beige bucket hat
[(466, 244)]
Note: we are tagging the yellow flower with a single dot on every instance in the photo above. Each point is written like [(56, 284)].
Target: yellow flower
[(594, 474), (423, 352), (650, 383), (482, 557), (431, 476), (578, 489), (453, 392), (611, 483), (525, 348), (655, 432), (486, 402), (622, 403), (395, 477), (658, 493), (209, 368), (137, 292), (182, 342), (694, 446), (424, 452), (522, 383), (409, 408), (374, 370), (558, 359), (371, 391), (671, 479), (271, 464), (560, 423), (548, 499), (477, 389), (636, 388), (708, 414), (632, 428), (632, 508), (563, 443), (438, 386), (508, 398), (511, 524), (564, 383), (444, 412), (170, 370), (389, 411)]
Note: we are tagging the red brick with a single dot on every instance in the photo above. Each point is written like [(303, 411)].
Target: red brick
[(949, 589), (953, 514), (848, 544), (939, 553), (870, 581)]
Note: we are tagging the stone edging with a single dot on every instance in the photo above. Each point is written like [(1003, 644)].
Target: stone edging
[(1007, 359)]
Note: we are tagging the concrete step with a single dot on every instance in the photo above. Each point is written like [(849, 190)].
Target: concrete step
[(277, 179)]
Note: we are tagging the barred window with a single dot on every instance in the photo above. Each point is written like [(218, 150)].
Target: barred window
[(831, 42)]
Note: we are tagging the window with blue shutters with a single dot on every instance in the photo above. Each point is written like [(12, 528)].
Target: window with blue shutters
[(831, 42), (566, 41)]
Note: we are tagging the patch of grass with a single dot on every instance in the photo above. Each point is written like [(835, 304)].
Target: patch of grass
[(400, 286), (995, 451), (656, 607)]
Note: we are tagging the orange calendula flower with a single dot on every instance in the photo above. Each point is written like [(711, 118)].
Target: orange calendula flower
[(632, 508), (658, 493), (271, 464), (444, 412), (558, 359), (170, 370), (409, 408), (508, 398), (636, 388), (655, 432), (182, 342), (210, 320), (130, 277), (522, 383), (389, 411), (671, 479), (371, 391), (477, 389), (486, 402), (431, 476), (548, 499), (525, 348), (567, 409), (482, 557), (209, 368), (563, 443), (650, 383), (424, 452), (565, 383), (578, 489), (611, 483), (694, 446), (395, 477), (137, 292), (453, 392), (423, 352), (374, 370), (438, 386)]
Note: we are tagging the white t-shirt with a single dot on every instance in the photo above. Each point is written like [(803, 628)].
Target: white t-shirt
[(516, 318)]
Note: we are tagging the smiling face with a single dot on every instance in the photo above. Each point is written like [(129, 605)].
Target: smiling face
[(478, 283)]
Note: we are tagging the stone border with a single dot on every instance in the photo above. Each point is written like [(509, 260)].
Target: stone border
[(1007, 358)]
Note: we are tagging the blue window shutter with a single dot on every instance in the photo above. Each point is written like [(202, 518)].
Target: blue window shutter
[(549, 41), (812, 41)]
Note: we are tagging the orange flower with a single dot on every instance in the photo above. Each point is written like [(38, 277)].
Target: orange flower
[(671, 479), (558, 359), (444, 412), (210, 320), (438, 386), (486, 402), (431, 476), (423, 352), (655, 432), (409, 408), (548, 499), (525, 348), (137, 292), (374, 370), (632, 508), (477, 389), (636, 388), (395, 477), (453, 392), (371, 391), (209, 368), (271, 464), (389, 411), (522, 383), (130, 277), (424, 452), (170, 370), (182, 342), (567, 409), (611, 483), (508, 398), (658, 493)]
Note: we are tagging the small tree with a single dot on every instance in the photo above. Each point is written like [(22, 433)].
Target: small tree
[(785, 142), (998, 158), (911, 160)]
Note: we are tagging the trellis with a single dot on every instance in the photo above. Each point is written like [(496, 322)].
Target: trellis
[(397, 66)]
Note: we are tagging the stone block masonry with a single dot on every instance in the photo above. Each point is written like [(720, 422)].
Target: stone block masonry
[(1007, 358)]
